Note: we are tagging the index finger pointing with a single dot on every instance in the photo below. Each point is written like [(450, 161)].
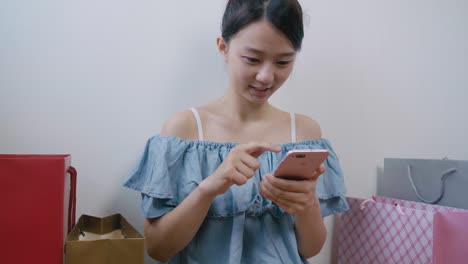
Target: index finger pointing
[(257, 148)]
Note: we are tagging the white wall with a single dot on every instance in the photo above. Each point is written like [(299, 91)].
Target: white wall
[(97, 78)]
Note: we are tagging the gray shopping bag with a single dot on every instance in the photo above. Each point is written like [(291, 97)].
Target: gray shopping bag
[(443, 182)]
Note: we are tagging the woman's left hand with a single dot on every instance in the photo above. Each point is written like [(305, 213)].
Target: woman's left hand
[(293, 196)]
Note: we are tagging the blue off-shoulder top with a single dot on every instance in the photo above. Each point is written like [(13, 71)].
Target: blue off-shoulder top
[(241, 226)]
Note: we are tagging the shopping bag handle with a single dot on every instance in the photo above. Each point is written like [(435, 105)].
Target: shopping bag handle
[(72, 200), (444, 176)]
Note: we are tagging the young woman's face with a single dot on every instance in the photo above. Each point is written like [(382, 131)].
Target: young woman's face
[(259, 59)]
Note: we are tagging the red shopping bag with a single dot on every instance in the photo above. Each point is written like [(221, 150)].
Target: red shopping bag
[(387, 230), (450, 238), (37, 199)]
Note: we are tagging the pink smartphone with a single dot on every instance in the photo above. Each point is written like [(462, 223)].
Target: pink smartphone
[(300, 164)]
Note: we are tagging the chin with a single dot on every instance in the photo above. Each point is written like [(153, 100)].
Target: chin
[(256, 100)]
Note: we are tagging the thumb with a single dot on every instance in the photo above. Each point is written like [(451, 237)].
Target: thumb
[(319, 171)]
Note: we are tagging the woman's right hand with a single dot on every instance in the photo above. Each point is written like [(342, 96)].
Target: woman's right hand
[(237, 168)]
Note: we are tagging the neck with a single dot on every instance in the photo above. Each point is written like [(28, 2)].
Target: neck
[(242, 110)]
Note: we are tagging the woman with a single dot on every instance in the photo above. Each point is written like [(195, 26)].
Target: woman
[(207, 189)]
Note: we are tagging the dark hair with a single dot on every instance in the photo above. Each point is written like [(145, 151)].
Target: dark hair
[(285, 15)]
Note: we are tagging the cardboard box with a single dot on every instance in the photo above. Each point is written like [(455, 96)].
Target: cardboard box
[(108, 240)]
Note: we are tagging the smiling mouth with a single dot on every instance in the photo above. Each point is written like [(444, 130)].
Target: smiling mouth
[(260, 89), (260, 92)]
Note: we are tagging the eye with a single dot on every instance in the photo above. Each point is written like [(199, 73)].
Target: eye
[(283, 63), (251, 60)]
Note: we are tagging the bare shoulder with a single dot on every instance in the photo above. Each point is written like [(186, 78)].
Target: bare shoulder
[(307, 128), (181, 124)]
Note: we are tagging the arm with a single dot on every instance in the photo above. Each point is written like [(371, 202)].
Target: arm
[(167, 235), (310, 230), (170, 233), (299, 198)]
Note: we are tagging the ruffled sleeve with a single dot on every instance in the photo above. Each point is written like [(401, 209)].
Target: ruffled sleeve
[(330, 186), (171, 168), (164, 175)]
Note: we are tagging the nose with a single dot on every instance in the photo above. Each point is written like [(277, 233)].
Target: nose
[(266, 75)]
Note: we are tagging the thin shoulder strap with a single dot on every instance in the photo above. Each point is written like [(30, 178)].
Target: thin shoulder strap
[(293, 127), (199, 124)]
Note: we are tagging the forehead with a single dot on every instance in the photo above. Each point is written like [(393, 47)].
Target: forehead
[(263, 36)]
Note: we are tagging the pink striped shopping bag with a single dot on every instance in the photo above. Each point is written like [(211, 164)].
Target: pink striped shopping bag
[(385, 230)]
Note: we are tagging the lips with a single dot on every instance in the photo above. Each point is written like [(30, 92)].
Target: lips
[(260, 89), (260, 92)]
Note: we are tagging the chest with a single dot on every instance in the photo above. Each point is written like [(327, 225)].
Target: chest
[(274, 131)]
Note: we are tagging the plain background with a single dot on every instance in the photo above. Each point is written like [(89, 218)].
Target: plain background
[(97, 78)]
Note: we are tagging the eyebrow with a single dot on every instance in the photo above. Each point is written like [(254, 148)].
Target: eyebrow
[(284, 54)]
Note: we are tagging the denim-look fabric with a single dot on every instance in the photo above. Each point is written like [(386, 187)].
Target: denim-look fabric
[(241, 226)]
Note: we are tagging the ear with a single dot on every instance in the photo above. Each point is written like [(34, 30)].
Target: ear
[(222, 46)]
